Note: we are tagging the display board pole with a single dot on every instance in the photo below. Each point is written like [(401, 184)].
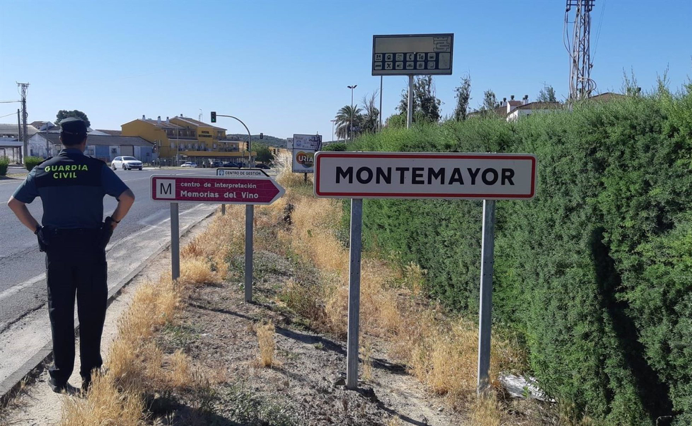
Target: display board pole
[(354, 294), (175, 242), (381, 82), (249, 221), (409, 108), (486, 304)]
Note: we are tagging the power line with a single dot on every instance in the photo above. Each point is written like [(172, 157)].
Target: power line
[(12, 113), (598, 31)]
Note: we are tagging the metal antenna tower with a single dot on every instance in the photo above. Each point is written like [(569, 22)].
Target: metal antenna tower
[(578, 46)]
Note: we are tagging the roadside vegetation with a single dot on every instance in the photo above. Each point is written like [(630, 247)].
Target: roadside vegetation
[(4, 164), (593, 275)]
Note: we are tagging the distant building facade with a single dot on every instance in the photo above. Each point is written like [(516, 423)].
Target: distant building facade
[(47, 144), (186, 139)]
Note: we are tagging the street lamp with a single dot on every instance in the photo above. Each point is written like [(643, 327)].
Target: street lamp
[(333, 122), (350, 132)]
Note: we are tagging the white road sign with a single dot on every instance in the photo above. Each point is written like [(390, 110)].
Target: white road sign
[(303, 160), (240, 172), (414, 54), (425, 175), (311, 142)]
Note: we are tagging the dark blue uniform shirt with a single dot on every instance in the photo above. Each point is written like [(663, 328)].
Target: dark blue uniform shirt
[(71, 186)]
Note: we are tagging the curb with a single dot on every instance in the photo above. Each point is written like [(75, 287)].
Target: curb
[(33, 367)]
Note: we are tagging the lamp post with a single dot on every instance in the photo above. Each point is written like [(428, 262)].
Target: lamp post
[(350, 130), (333, 122)]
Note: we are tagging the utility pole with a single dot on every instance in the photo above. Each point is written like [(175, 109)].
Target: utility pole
[(24, 87), (579, 48), (19, 136), (350, 131)]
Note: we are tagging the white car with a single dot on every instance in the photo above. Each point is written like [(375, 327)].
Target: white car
[(189, 164), (126, 163)]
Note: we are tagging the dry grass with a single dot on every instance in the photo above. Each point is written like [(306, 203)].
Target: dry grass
[(267, 345), (366, 354), (136, 365), (486, 411), (438, 348), (104, 406)]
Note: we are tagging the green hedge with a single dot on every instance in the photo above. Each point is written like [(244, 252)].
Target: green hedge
[(31, 162), (4, 163), (596, 271)]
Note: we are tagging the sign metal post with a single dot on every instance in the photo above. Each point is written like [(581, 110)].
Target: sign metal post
[(475, 176), (409, 108), (175, 242), (486, 303), (249, 212), (237, 186), (249, 220), (354, 293)]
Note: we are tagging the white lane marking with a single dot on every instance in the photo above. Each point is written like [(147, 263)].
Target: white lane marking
[(19, 287), (31, 281)]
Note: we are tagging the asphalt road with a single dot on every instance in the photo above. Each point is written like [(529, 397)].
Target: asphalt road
[(22, 267)]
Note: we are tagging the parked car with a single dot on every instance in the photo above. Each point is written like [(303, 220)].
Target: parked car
[(189, 164), (126, 163), (229, 164), (262, 166), (216, 164)]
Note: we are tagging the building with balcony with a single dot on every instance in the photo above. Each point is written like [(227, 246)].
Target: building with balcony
[(180, 138)]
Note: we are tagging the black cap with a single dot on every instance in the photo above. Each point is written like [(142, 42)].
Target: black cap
[(73, 126)]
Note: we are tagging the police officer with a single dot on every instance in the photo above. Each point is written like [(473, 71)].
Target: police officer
[(74, 237)]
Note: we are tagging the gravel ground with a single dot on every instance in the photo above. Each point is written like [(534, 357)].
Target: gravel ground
[(306, 384)]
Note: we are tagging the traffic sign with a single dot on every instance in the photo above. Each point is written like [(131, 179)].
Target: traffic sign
[(235, 172), (303, 161), (412, 54), (425, 175), (217, 190), (311, 142)]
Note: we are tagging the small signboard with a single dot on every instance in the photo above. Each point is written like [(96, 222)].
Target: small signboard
[(425, 175), (414, 54), (303, 161), (216, 190), (235, 172), (311, 142)]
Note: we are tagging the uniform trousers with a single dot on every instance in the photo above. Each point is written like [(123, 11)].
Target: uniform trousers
[(76, 264)]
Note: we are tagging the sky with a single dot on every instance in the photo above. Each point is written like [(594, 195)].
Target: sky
[(283, 66)]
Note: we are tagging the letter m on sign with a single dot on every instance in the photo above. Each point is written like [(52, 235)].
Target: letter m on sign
[(165, 189)]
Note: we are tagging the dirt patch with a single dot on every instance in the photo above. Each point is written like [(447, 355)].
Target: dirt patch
[(305, 385)]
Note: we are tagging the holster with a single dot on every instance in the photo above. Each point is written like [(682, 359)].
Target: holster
[(106, 232), (43, 239)]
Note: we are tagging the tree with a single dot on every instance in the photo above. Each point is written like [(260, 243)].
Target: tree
[(264, 154), (371, 117), (489, 101), (343, 121), (63, 114), (396, 121), (463, 96), (547, 94), (426, 106)]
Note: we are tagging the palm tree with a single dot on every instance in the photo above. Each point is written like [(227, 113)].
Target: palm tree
[(343, 121), (371, 116)]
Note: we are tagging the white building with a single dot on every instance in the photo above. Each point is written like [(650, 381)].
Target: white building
[(46, 144), (532, 108)]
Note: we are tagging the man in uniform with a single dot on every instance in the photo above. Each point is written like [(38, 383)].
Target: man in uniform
[(74, 237)]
